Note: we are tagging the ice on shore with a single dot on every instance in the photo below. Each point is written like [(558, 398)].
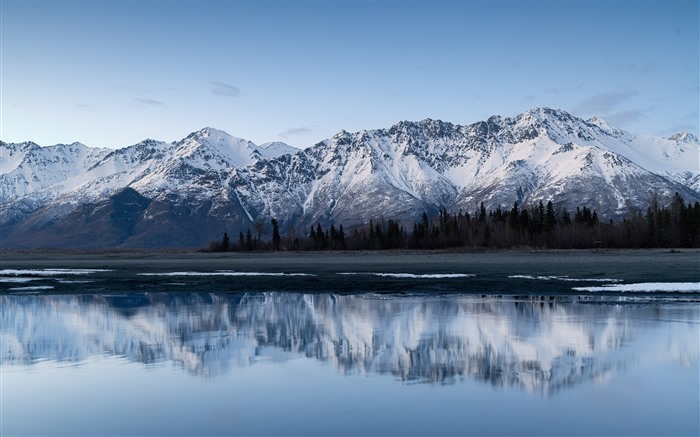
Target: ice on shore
[(49, 272), (563, 278), (415, 276), (224, 273), (647, 287)]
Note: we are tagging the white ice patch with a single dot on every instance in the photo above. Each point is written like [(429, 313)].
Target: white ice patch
[(18, 280), (34, 288), (648, 287), (414, 276), (49, 272), (563, 278), (224, 273)]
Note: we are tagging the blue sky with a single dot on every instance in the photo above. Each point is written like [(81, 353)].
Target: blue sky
[(112, 73)]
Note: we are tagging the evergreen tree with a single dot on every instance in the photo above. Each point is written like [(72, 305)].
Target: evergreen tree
[(539, 222), (341, 237), (276, 239), (550, 219), (248, 240), (320, 241), (565, 218), (225, 242), (514, 217)]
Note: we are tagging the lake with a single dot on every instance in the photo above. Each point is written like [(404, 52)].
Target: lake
[(493, 343)]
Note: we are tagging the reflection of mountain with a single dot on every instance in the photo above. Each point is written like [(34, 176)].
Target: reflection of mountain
[(540, 346)]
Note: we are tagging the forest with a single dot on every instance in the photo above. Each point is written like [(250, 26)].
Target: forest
[(539, 226)]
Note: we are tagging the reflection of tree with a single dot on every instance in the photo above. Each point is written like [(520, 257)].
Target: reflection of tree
[(542, 346)]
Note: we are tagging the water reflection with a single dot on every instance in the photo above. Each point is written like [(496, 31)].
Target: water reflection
[(538, 345)]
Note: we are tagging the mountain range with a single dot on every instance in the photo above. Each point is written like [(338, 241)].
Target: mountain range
[(189, 192)]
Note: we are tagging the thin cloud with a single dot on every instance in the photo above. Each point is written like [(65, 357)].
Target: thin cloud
[(173, 90), (295, 131), (557, 90), (624, 117), (604, 103), (641, 69), (83, 106), (684, 127), (148, 102), (224, 89), (693, 116)]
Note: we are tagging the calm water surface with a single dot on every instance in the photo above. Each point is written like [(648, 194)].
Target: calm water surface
[(260, 364), (581, 362)]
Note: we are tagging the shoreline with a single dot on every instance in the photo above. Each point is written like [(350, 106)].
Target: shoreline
[(490, 270)]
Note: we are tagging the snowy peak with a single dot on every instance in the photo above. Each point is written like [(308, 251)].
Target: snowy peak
[(538, 117), (685, 138), (275, 149), (225, 150), (217, 148), (597, 121), (558, 125)]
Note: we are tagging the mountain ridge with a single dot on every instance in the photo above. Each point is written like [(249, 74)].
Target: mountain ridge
[(214, 182)]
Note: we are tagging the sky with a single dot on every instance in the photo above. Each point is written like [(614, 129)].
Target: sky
[(112, 73)]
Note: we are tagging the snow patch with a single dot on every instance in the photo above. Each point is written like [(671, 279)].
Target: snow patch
[(33, 288), (17, 280), (646, 287), (49, 272), (563, 278), (415, 276), (224, 273)]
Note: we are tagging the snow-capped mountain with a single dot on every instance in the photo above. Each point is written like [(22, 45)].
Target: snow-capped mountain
[(27, 169), (150, 166), (43, 192), (189, 192), (402, 171)]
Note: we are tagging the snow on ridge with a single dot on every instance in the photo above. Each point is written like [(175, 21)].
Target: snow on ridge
[(276, 149), (216, 148), (26, 168), (228, 151), (685, 137), (543, 150), (78, 171)]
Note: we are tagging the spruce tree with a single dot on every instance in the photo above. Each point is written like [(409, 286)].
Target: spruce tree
[(225, 242), (550, 219), (276, 239), (249, 240), (341, 237)]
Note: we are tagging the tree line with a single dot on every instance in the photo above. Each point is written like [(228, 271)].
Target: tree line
[(539, 226)]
